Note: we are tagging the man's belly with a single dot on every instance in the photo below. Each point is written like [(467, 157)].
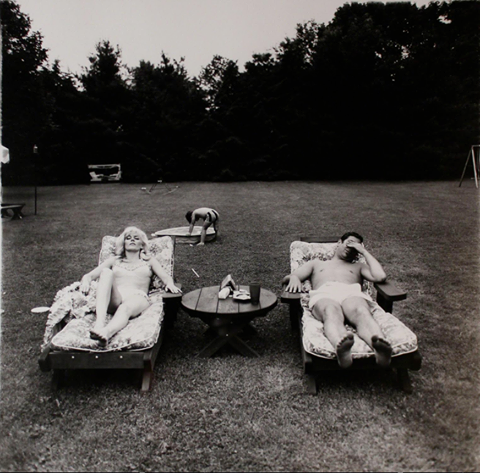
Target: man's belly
[(344, 279)]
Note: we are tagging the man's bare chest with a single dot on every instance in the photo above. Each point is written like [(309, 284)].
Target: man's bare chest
[(325, 271)]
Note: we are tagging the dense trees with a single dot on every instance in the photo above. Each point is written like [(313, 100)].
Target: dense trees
[(167, 111), (24, 106), (384, 91)]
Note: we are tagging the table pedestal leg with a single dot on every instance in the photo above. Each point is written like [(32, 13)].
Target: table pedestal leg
[(241, 346), (213, 347), (228, 334), (248, 331)]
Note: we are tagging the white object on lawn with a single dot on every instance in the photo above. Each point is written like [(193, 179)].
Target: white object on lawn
[(40, 310), (181, 234)]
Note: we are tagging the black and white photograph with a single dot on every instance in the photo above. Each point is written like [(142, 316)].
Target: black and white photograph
[(240, 236)]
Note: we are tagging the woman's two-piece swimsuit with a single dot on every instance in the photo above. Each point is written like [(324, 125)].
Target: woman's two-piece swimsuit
[(128, 277), (212, 216)]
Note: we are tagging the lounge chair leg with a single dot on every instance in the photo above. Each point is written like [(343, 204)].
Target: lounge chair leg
[(294, 317), (57, 379), (212, 347), (311, 384), (171, 309), (147, 377), (404, 380)]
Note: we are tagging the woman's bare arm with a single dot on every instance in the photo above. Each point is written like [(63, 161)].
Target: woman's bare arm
[(162, 274), (95, 274)]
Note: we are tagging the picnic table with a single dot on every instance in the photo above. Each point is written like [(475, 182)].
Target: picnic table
[(15, 208)]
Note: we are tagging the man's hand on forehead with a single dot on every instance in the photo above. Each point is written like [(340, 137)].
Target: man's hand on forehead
[(356, 245)]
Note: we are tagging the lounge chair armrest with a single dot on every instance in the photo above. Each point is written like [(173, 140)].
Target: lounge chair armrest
[(172, 304), (293, 299), (387, 294), (290, 297), (171, 295), (390, 292)]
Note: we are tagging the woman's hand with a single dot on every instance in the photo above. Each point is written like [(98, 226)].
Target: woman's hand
[(145, 256), (172, 288), (85, 284)]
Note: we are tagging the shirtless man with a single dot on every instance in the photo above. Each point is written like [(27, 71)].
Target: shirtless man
[(337, 295), (209, 217)]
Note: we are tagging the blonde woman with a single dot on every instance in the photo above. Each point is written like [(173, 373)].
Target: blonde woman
[(123, 283)]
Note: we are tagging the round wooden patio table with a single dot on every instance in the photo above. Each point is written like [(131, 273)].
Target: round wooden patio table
[(227, 318)]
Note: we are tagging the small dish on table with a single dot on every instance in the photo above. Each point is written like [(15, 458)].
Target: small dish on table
[(241, 295)]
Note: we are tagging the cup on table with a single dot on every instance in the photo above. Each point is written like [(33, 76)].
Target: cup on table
[(255, 292)]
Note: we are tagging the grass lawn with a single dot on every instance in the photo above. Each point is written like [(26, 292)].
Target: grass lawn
[(228, 412)]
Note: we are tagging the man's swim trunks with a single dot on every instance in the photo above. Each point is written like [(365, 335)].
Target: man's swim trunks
[(337, 291)]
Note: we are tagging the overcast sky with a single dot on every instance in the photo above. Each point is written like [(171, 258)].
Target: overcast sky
[(193, 29)]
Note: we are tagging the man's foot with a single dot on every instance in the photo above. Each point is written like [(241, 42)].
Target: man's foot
[(200, 244), (98, 336), (383, 351), (344, 346)]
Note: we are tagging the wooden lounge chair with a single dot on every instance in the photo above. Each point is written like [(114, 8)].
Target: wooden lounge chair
[(67, 344), (318, 354)]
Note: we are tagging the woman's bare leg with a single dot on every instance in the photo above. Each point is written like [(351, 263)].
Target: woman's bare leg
[(108, 297), (104, 294), (130, 308)]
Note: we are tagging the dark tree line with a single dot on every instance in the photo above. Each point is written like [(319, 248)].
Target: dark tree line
[(384, 91)]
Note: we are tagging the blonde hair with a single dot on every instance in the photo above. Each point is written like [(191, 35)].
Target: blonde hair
[(120, 242)]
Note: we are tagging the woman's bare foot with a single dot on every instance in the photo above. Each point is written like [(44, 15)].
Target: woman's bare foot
[(97, 335), (383, 351), (98, 327), (344, 346)]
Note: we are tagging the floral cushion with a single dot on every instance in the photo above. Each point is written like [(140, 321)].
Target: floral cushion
[(402, 339), (77, 310), (141, 332)]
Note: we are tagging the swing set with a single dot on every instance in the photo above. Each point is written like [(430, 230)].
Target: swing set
[(474, 155)]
